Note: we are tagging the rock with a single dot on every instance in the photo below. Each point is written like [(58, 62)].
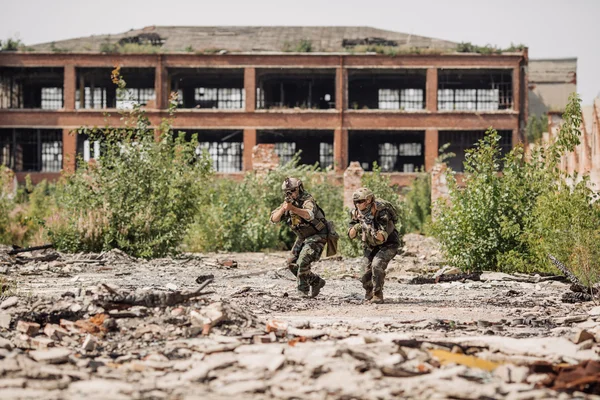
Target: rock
[(586, 345), (171, 286), (208, 317), (12, 383), (76, 307), (10, 302), (581, 336), (89, 344), (69, 326), (510, 373), (55, 332), (56, 355), (5, 321), (5, 344), (263, 361), (176, 312), (279, 327), (28, 328), (594, 311), (41, 342), (212, 362)]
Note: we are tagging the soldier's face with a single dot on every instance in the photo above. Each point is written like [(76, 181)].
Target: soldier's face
[(361, 204), (294, 193)]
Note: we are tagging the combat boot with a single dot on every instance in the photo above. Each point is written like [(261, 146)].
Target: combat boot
[(316, 288), (368, 295), (377, 298)]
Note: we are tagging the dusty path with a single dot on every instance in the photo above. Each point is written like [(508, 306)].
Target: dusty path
[(161, 352)]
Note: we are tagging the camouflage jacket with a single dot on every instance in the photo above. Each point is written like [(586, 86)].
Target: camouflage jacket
[(381, 222), (304, 228)]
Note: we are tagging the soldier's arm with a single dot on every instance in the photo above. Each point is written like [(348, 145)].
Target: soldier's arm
[(307, 212), (278, 213), (354, 225), (386, 226)]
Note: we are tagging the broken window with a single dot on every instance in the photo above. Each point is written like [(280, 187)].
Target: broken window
[(306, 89), (31, 88), (225, 147), (216, 88), (394, 151), (95, 89), (401, 89), (127, 98), (87, 149), (221, 98), (474, 90), (37, 150), (315, 146), (460, 141)]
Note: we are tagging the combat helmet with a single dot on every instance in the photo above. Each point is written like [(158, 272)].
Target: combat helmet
[(291, 184), (362, 194)]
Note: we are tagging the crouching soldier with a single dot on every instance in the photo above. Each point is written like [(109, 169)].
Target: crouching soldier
[(307, 221), (374, 221)]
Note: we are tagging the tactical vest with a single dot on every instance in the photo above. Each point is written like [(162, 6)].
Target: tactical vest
[(304, 228)]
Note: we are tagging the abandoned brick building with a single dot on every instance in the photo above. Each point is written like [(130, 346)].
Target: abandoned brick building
[(338, 94)]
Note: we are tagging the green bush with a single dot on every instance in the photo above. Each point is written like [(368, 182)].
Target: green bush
[(491, 221), (235, 216), (418, 204), (140, 196), (536, 126)]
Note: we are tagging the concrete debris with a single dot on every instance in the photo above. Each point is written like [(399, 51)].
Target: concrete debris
[(129, 328)]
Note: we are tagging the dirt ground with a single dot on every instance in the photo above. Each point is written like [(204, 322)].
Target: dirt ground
[(254, 337)]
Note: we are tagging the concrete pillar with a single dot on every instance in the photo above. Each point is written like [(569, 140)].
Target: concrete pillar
[(69, 139), (439, 187), (249, 143), (516, 88), (69, 87), (431, 89), (431, 148), (352, 181), (340, 149), (250, 89), (161, 87), (341, 88)]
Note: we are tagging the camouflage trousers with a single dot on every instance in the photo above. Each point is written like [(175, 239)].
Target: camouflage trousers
[(304, 253), (373, 264)]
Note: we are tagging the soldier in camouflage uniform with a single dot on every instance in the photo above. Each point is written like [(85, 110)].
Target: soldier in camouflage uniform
[(307, 221), (373, 221)]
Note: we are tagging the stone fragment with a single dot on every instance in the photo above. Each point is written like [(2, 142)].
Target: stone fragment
[(5, 321), (10, 302), (28, 328), (55, 332), (581, 336), (56, 355), (89, 344), (41, 342)]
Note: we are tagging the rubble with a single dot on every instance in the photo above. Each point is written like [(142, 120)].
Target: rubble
[(128, 328)]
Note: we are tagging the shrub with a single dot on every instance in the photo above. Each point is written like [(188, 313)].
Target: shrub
[(489, 223), (418, 204), (140, 196), (236, 216)]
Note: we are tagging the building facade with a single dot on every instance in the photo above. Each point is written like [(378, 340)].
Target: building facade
[(330, 94)]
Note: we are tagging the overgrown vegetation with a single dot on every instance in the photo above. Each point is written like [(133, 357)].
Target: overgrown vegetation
[(131, 48), (468, 47), (11, 44), (301, 46), (510, 221), (536, 126), (418, 204), (141, 194)]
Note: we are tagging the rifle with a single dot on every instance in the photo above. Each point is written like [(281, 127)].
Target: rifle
[(288, 197)]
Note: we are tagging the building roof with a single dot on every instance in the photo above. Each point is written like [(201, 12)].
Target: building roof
[(553, 70), (551, 81), (247, 39)]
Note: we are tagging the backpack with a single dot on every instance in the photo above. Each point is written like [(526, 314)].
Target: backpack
[(389, 207), (332, 235)]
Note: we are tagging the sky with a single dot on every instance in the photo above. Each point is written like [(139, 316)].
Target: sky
[(550, 28)]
